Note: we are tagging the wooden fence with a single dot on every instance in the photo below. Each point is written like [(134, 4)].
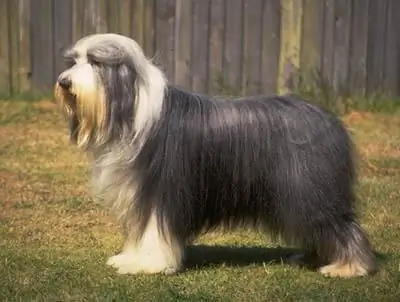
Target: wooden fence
[(241, 46)]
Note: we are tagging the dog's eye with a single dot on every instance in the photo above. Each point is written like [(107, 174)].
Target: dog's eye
[(69, 62), (92, 60)]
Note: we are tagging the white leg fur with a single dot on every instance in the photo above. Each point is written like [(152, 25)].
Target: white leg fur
[(345, 270), (152, 255)]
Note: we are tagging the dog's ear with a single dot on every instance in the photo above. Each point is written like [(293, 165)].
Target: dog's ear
[(120, 92)]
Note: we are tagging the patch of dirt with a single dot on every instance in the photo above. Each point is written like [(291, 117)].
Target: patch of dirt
[(46, 105), (375, 150), (23, 191), (10, 184), (357, 117)]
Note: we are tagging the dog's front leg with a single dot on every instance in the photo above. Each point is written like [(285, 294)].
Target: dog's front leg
[(152, 254)]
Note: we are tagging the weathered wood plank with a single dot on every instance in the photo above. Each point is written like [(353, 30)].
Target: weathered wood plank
[(91, 12), (216, 45), (343, 11), (329, 40), (78, 19), (312, 37), (271, 32), (5, 85), (125, 13), (291, 29), (138, 15), (392, 60), (113, 16), (148, 28), (102, 24), (233, 47), (24, 58), (43, 71), (13, 40), (251, 83), (165, 35), (359, 38), (199, 45), (183, 41), (376, 45), (62, 31)]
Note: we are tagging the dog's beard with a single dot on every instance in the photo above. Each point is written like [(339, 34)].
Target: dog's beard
[(74, 128), (72, 118)]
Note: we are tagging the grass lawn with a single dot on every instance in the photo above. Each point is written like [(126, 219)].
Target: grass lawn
[(54, 241)]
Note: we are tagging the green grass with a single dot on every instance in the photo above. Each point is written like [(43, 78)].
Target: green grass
[(54, 240)]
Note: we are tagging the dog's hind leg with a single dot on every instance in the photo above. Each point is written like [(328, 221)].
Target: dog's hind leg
[(344, 253), (347, 251), (338, 244), (316, 210), (334, 244)]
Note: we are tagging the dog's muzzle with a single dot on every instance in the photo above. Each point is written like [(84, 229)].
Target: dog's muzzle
[(65, 83)]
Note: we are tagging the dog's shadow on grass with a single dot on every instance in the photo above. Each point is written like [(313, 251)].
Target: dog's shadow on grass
[(198, 256)]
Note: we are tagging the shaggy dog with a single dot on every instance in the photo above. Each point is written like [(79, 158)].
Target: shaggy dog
[(172, 165)]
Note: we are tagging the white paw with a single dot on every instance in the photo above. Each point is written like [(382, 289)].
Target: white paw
[(118, 260), (124, 263), (346, 270), (127, 263)]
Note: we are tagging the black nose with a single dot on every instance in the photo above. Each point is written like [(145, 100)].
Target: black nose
[(64, 83)]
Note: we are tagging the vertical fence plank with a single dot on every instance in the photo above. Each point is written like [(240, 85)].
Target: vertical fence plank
[(125, 17), (148, 28), (24, 58), (5, 88), (329, 40), (18, 45), (43, 71), (102, 24), (78, 19), (343, 12), (62, 31), (392, 60), (271, 32), (376, 45), (233, 47), (143, 20), (199, 45), (183, 41), (91, 17), (216, 45), (165, 34), (358, 54), (138, 15), (13, 40), (289, 62), (252, 42), (312, 37), (113, 16)]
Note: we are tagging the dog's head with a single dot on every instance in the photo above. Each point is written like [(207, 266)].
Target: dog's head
[(109, 91)]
